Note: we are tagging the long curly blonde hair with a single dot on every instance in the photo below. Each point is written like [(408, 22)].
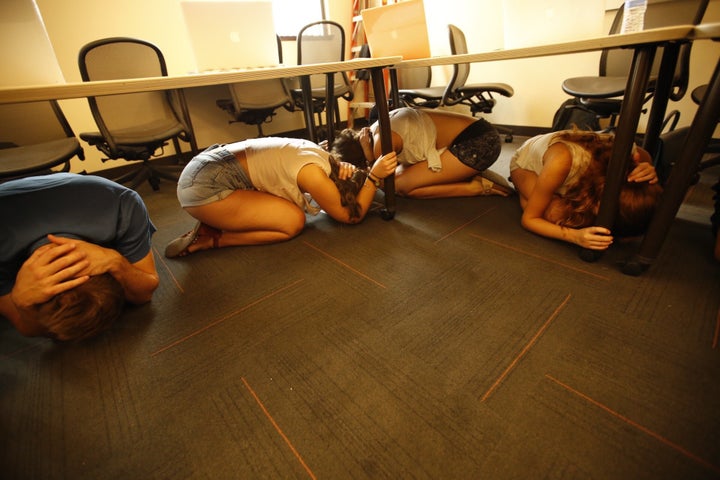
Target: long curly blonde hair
[(581, 200)]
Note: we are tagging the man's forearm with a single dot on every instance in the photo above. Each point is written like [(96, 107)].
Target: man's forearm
[(137, 284)]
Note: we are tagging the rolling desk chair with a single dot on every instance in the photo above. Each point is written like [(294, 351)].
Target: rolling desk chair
[(414, 88), (34, 138), (321, 42), (134, 126), (713, 148), (477, 96), (602, 94), (255, 103)]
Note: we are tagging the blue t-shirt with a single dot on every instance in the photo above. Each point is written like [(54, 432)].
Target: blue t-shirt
[(86, 207)]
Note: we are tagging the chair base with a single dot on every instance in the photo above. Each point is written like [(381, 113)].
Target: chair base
[(153, 174)]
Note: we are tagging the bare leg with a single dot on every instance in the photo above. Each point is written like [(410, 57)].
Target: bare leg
[(524, 181), (454, 180), (248, 217)]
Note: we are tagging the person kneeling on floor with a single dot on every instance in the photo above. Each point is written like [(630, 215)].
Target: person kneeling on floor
[(73, 250)]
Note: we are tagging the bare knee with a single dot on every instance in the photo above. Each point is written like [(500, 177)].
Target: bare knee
[(295, 223), (402, 187)]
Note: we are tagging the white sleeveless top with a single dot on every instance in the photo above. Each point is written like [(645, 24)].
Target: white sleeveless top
[(274, 163), (530, 157), (418, 134)]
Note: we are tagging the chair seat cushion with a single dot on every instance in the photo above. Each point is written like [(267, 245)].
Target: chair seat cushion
[(426, 93), (30, 158), (501, 88), (150, 133), (595, 87), (339, 91)]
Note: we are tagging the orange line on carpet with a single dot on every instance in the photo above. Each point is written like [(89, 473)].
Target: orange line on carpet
[(525, 252), (278, 429), (337, 260), (645, 430), (167, 267), (464, 225), (532, 341), (222, 319)]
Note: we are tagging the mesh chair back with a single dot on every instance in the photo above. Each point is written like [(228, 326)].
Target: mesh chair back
[(458, 46), (30, 123), (411, 78), (659, 13), (322, 42), (35, 136), (129, 118), (260, 94)]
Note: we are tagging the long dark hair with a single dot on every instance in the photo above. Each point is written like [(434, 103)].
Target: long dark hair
[(346, 148), (348, 188)]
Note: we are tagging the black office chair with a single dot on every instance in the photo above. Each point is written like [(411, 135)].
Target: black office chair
[(414, 88), (35, 137), (478, 96), (321, 42), (134, 126), (602, 94), (673, 140), (255, 103), (713, 149)]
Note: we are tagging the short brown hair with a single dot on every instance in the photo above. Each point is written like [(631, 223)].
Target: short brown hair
[(83, 311)]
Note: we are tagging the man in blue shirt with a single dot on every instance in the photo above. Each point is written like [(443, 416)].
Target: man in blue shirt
[(73, 249)]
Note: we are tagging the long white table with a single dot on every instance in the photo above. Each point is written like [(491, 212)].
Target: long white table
[(644, 44), (31, 93)]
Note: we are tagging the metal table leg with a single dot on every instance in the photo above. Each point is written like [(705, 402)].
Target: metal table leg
[(698, 137), (381, 104), (627, 126), (308, 109)]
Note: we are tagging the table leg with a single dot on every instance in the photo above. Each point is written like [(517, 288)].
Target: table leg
[(394, 94), (330, 106), (698, 137), (661, 97), (381, 104), (308, 109), (186, 119), (624, 137)]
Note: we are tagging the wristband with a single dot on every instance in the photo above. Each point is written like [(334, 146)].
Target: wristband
[(375, 181)]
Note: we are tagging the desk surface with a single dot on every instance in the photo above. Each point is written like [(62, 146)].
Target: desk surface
[(113, 87), (657, 35), (706, 31)]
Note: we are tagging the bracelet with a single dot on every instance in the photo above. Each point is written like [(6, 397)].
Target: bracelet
[(375, 181)]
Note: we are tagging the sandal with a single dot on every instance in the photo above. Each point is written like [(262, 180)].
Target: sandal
[(180, 247), (493, 184)]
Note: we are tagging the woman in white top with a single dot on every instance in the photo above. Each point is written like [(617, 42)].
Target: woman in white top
[(560, 178), (257, 191), (440, 154)]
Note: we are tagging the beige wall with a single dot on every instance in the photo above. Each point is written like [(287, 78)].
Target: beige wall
[(488, 24)]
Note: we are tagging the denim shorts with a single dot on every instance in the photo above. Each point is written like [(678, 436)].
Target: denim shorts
[(478, 146), (210, 176)]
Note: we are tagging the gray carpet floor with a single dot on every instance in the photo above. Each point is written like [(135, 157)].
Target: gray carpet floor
[(447, 343)]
